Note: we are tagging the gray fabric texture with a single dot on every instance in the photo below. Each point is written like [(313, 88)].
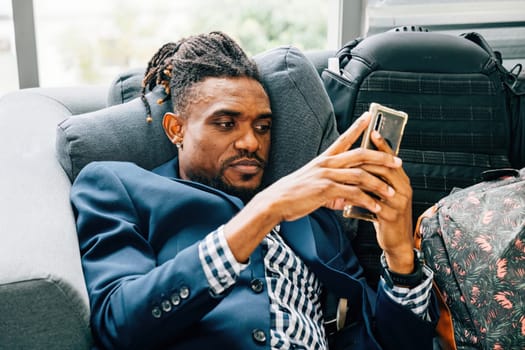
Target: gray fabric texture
[(45, 317), (125, 87), (297, 96), (43, 296), (303, 123)]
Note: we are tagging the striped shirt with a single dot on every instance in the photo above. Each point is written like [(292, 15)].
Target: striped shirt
[(294, 291)]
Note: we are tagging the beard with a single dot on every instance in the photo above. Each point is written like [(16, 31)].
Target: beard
[(217, 182)]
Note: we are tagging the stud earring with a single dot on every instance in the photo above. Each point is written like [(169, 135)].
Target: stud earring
[(179, 145)]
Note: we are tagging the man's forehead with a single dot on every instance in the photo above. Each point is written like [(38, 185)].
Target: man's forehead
[(217, 89), (226, 84)]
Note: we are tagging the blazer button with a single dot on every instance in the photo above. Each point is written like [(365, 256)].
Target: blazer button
[(175, 299), (259, 336), (166, 305), (156, 312), (184, 292), (257, 285)]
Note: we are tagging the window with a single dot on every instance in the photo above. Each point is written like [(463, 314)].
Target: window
[(91, 41), (81, 42), (8, 68)]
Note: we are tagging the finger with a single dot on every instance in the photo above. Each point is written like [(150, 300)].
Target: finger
[(400, 201), (360, 156), (380, 142), (401, 214), (355, 196), (364, 180), (398, 181), (387, 213), (347, 139), (396, 177)]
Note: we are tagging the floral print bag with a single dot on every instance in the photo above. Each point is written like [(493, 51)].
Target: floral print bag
[(474, 240)]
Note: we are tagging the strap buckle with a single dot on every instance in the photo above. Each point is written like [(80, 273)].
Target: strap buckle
[(336, 324)]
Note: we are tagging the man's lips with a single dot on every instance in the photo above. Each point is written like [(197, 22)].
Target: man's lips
[(246, 166)]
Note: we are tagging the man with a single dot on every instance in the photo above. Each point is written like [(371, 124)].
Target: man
[(195, 255)]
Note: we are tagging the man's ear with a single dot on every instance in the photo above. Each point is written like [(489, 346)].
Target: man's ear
[(172, 125)]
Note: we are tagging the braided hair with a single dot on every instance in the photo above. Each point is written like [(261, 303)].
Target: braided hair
[(178, 66)]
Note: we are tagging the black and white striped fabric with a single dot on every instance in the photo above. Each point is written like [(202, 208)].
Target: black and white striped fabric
[(295, 292), (416, 299), (219, 265)]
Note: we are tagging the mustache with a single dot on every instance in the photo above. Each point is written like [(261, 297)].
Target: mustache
[(245, 155)]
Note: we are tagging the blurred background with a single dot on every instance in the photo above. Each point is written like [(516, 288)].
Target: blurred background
[(59, 43)]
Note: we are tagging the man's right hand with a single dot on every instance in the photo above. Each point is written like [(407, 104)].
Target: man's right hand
[(333, 179)]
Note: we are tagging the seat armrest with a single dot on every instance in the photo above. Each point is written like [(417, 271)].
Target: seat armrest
[(43, 298)]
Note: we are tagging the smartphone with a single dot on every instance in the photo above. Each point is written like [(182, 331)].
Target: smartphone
[(390, 123)]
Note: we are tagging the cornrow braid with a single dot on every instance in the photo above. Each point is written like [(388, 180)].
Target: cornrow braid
[(155, 74), (178, 66)]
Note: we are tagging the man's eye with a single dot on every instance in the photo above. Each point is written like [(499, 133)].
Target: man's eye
[(226, 124), (263, 126)]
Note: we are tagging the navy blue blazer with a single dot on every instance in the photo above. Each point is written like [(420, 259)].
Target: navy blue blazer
[(138, 234)]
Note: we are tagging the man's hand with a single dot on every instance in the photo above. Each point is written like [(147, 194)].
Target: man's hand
[(394, 220), (333, 179)]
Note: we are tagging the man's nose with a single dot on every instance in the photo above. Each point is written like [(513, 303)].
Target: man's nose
[(248, 141)]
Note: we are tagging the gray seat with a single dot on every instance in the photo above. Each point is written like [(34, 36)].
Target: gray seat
[(43, 299)]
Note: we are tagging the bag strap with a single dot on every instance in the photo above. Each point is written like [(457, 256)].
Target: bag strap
[(445, 327), (510, 77), (515, 91), (479, 40), (344, 54)]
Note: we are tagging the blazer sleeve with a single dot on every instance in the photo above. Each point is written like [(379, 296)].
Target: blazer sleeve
[(130, 295), (398, 327), (394, 326)]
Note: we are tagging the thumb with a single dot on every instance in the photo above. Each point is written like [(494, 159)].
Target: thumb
[(347, 139)]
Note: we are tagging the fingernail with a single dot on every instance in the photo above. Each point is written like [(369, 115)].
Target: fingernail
[(398, 161), (390, 191), (376, 134), (377, 208)]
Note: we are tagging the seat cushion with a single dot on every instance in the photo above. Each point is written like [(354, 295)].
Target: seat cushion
[(118, 132), (125, 87), (303, 121)]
